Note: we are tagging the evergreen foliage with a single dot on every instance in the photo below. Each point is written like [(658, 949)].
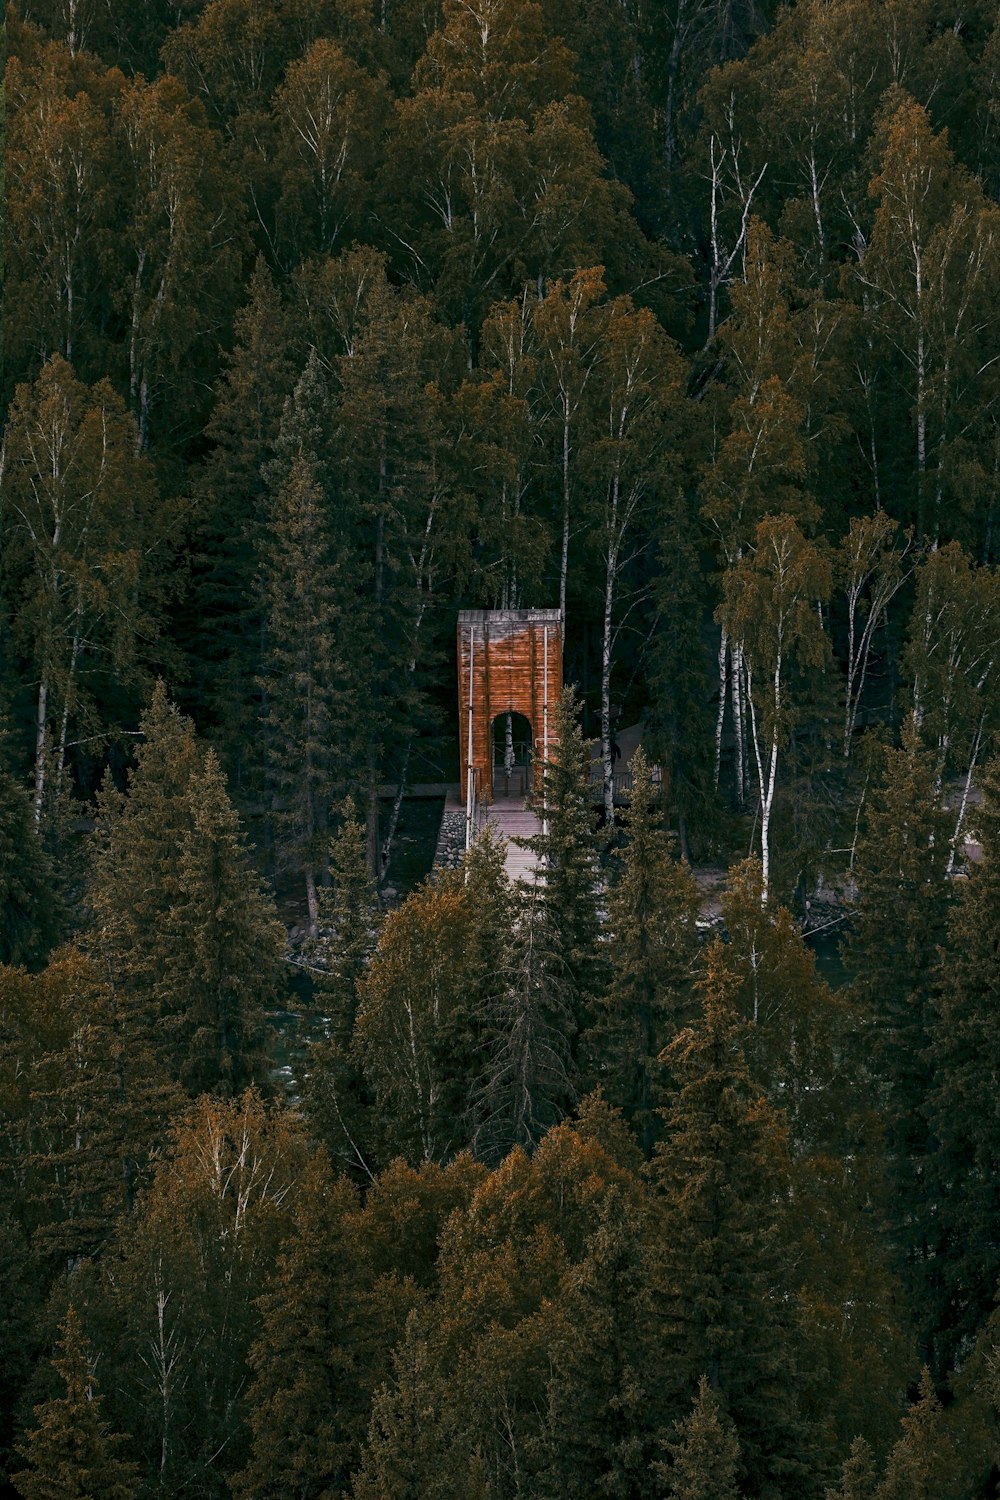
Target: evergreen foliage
[(651, 925), (71, 1452), (180, 920), (322, 323)]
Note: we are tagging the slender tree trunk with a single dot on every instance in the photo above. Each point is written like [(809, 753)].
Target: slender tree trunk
[(721, 715), (41, 745), (312, 900), (739, 726), (966, 788), (606, 756), (564, 558)]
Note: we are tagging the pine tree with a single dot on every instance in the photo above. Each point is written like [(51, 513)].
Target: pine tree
[(651, 924), (704, 1455), (225, 923), (528, 1083), (965, 1053), (567, 854), (922, 1465), (411, 1452), (306, 1403), (722, 1171), (178, 916), (600, 1419), (305, 582), (338, 1101), (898, 923), (858, 1478), (226, 627), (71, 1453)]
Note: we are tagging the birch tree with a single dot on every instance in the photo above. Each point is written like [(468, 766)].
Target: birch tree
[(184, 212), (759, 460), (931, 270), (326, 116), (769, 608), (80, 531), (568, 324), (870, 568), (637, 396), (61, 200), (953, 657)]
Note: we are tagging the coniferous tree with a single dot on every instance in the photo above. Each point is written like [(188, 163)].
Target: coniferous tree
[(306, 1403), (601, 1417), (231, 495), (965, 1053), (858, 1478), (178, 916), (567, 855), (651, 923), (71, 1453), (303, 583), (922, 1465), (726, 1274), (704, 1455), (529, 1080), (898, 923), (337, 1098)]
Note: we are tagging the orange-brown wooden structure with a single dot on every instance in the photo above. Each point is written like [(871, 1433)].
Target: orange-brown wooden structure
[(509, 661)]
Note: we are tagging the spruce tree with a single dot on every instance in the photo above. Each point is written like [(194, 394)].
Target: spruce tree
[(722, 1173), (568, 863), (306, 1402), (305, 581), (225, 922), (704, 1455), (337, 1098), (179, 919), (528, 1084), (922, 1465), (71, 1453), (599, 1429), (652, 936), (858, 1479), (898, 923), (965, 1054)]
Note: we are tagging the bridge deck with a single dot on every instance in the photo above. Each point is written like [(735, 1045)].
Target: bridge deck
[(509, 817)]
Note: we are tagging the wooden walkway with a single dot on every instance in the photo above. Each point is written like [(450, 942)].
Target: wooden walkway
[(511, 819)]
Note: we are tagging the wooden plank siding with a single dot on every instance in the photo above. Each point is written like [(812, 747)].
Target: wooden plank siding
[(508, 675)]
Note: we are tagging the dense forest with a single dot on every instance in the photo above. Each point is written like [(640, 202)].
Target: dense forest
[(674, 1175)]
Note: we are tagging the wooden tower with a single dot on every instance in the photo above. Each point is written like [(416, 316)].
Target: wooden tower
[(509, 661)]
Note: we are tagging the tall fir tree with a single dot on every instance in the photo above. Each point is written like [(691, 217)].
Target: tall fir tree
[(528, 1080), (338, 1100), (704, 1454), (898, 922), (179, 917), (306, 1402), (652, 935), (71, 1453), (567, 851), (965, 1053), (305, 582), (726, 1277)]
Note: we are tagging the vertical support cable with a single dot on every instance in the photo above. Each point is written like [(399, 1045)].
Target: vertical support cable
[(545, 726), (468, 754)]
